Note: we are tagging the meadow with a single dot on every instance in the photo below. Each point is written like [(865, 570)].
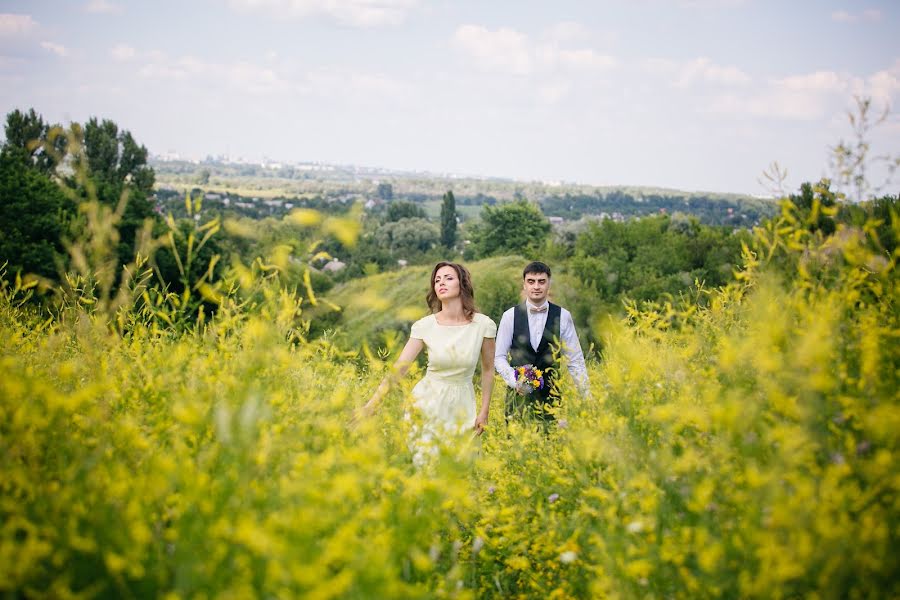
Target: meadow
[(742, 446)]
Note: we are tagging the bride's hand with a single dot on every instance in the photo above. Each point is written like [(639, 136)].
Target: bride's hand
[(360, 414), (480, 423)]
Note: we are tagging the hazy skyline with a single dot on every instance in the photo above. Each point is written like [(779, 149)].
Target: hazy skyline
[(688, 94)]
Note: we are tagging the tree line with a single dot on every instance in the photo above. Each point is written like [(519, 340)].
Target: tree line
[(47, 171)]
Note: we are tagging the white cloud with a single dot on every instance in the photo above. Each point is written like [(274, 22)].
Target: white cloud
[(352, 86), (711, 3), (663, 67), (512, 52), (884, 86), (241, 76), (567, 31), (122, 52), (806, 97), (504, 49), (820, 81), (586, 59), (104, 7), (16, 24), (868, 15), (812, 96), (56, 49), (356, 13), (582, 59), (552, 93), (10, 62), (772, 104), (703, 70), (258, 79), (696, 71)]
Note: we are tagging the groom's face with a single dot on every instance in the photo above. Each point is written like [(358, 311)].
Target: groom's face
[(536, 286)]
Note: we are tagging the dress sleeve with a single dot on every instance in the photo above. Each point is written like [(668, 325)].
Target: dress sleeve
[(418, 329), (488, 327)]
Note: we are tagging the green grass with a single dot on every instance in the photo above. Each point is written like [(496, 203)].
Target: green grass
[(394, 300)]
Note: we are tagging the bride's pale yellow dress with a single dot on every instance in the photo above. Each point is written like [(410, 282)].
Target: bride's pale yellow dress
[(445, 397)]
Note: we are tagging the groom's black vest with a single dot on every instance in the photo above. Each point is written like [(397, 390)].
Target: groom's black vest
[(544, 358)]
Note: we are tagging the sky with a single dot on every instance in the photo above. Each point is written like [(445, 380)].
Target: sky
[(697, 95)]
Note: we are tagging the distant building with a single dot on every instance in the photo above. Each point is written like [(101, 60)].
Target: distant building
[(333, 266), (555, 220)]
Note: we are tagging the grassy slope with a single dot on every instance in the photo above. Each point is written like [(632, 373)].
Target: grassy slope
[(393, 300)]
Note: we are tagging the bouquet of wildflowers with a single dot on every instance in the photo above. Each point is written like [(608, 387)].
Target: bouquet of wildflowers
[(528, 378)]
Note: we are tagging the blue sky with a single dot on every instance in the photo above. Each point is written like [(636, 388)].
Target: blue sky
[(689, 94)]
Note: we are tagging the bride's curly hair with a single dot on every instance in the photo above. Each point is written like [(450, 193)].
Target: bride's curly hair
[(466, 291)]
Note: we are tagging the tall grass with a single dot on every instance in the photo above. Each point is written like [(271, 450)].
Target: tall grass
[(745, 446)]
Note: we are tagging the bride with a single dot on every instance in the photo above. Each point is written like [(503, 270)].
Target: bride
[(454, 336)]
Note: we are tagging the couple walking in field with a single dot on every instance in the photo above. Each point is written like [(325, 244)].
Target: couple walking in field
[(525, 350)]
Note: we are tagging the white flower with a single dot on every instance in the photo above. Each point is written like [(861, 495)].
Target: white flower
[(635, 527), (477, 545), (568, 556)]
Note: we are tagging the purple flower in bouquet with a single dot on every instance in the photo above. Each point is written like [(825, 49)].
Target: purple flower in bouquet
[(529, 379)]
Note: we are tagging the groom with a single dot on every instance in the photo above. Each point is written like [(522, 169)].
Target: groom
[(536, 332)]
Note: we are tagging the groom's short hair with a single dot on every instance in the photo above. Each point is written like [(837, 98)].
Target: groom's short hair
[(536, 267)]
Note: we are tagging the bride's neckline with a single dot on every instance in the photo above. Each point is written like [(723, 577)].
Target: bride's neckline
[(452, 324)]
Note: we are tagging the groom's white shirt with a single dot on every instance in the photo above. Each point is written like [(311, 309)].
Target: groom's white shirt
[(536, 322)]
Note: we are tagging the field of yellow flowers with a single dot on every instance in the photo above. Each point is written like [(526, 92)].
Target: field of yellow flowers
[(745, 446)]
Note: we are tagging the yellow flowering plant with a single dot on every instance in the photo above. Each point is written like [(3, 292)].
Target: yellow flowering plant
[(734, 447)]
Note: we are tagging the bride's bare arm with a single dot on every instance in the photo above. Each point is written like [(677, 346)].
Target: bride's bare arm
[(487, 383), (410, 351)]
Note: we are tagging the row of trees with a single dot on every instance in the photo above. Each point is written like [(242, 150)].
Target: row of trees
[(41, 184), (42, 181), (708, 210), (80, 200)]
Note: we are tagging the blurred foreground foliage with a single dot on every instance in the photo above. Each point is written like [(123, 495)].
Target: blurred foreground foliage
[(191, 439), (741, 443)]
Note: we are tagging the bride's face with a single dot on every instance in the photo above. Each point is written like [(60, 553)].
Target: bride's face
[(446, 283)]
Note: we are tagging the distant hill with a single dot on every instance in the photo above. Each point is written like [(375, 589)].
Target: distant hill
[(568, 201)]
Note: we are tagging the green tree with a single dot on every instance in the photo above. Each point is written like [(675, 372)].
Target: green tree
[(810, 203), (448, 221), (117, 165), (407, 237), (652, 257), (497, 291), (39, 144), (182, 265), (385, 191), (34, 212), (514, 228), (404, 210)]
